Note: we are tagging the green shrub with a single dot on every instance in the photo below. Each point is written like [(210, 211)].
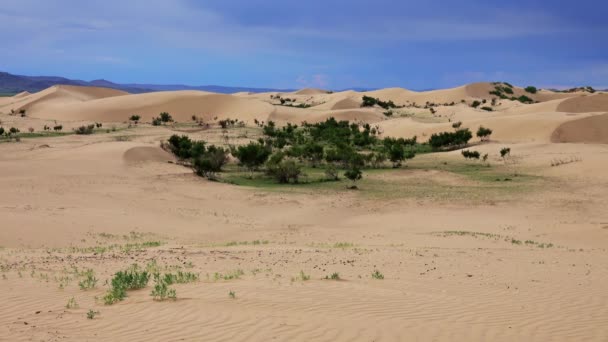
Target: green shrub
[(531, 89), (210, 162), (161, 290), (131, 279), (165, 117), (525, 99), (487, 109), (470, 154), (85, 130), (283, 169), (484, 133), (450, 139), (252, 155), (135, 118), (475, 104)]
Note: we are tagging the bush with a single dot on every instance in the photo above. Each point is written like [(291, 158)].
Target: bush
[(484, 133), (475, 104), (331, 173), (1, 130), (470, 154), (165, 117), (13, 131), (456, 125), (524, 99), (450, 139), (253, 155), (58, 128), (354, 174), (156, 122), (284, 170), (487, 109), (131, 279), (531, 89), (135, 118), (505, 152), (85, 129), (210, 162)]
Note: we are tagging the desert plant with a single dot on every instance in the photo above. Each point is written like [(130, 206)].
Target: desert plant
[(232, 294), (131, 279), (505, 152), (450, 139), (135, 118), (283, 169), (475, 104), (470, 154), (161, 290), (484, 133), (456, 125), (210, 162), (57, 127), (252, 155), (354, 174), (89, 281), (377, 275), (85, 129), (487, 109), (333, 276), (1, 130), (165, 117), (91, 314), (331, 173), (531, 89), (71, 304)]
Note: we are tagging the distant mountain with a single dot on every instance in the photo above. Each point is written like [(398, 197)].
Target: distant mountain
[(10, 83)]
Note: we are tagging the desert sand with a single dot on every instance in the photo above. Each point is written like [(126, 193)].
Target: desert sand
[(462, 260)]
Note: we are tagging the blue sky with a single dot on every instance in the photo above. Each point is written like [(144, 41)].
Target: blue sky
[(292, 44)]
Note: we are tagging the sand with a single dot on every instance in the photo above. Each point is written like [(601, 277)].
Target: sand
[(61, 195)]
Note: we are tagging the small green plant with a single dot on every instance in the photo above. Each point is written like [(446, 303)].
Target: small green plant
[(505, 152), (333, 276), (89, 281), (475, 104), (232, 294), (91, 314), (71, 304), (161, 290), (377, 275), (132, 279)]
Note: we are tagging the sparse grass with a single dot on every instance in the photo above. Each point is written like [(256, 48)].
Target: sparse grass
[(161, 290), (467, 233), (126, 248), (89, 281), (236, 274), (180, 278), (471, 182), (91, 314), (71, 304), (343, 245), (301, 277), (333, 276), (377, 275)]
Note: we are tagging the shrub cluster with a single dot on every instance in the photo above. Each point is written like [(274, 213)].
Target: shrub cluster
[(449, 140), (369, 101), (206, 161)]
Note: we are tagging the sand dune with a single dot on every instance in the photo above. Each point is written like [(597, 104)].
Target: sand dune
[(593, 129), (181, 104), (585, 103), (310, 91)]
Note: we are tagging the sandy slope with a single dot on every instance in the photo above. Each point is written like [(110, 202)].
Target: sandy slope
[(436, 287)]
